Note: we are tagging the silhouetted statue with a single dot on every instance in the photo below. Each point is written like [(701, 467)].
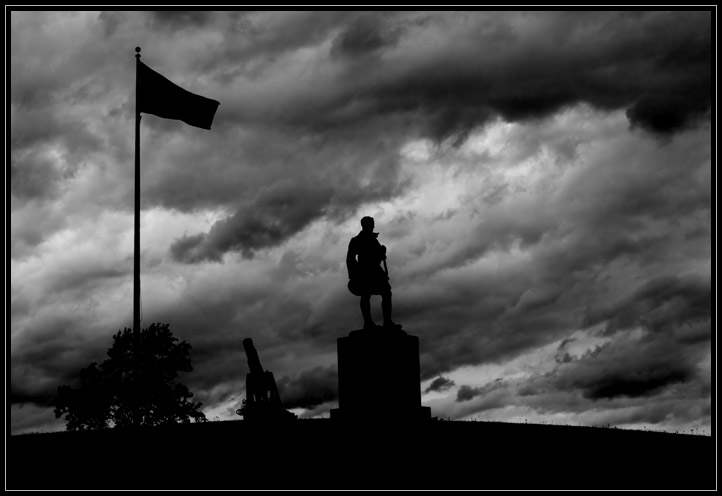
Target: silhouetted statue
[(262, 399), (366, 277)]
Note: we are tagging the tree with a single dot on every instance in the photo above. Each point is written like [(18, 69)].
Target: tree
[(135, 386), (87, 407)]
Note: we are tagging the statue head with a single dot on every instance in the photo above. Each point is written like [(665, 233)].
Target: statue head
[(367, 224)]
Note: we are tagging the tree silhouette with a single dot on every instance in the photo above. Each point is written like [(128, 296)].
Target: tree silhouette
[(135, 386)]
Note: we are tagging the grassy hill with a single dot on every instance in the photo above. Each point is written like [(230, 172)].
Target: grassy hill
[(322, 454)]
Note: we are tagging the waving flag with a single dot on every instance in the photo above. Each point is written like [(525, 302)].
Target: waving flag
[(159, 96)]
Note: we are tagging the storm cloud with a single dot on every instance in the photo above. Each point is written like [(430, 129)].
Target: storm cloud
[(363, 79), (670, 304), (311, 388), (542, 181), (439, 384)]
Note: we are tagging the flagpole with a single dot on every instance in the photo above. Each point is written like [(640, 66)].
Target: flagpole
[(136, 257)]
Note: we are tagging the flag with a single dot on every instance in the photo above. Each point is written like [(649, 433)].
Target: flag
[(159, 96)]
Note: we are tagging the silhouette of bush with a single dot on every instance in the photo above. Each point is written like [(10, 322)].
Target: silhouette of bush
[(135, 386)]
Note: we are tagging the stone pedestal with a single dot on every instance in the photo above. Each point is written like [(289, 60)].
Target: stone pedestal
[(379, 377)]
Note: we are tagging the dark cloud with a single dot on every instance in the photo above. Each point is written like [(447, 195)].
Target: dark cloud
[(20, 396), (625, 368), (456, 88), (34, 177), (439, 384), (482, 65), (189, 249), (277, 213), (45, 127), (252, 42), (668, 316), (562, 354), (47, 150), (466, 393), (366, 34), (51, 354), (642, 383), (310, 388), (179, 19), (111, 21), (609, 60), (667, 112), (276, 200), (662, 305), (492, 395), (650, 207), (637, 377)]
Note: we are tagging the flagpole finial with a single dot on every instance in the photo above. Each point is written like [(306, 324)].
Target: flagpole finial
[(137, 52)]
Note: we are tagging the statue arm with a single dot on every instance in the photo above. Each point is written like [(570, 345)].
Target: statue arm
[(351, 259)]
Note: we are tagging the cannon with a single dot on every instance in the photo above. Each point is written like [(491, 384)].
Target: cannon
[(262, 399)]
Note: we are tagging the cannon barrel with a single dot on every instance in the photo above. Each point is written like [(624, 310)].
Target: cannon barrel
[(254, 363), (262, 398)]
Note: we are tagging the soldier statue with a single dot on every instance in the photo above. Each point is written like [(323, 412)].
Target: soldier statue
[(366, 277)]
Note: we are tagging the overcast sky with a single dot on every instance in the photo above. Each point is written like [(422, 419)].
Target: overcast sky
[(542, 182)]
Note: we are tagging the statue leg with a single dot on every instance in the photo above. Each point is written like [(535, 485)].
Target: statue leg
[(386, 309), (366, 311)]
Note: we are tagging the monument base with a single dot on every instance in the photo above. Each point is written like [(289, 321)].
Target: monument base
[(379, 377)]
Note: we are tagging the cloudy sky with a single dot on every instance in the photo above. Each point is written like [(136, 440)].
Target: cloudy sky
[(542, 182)]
